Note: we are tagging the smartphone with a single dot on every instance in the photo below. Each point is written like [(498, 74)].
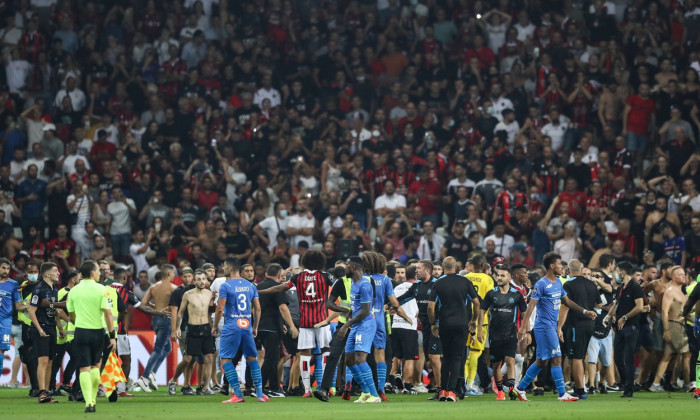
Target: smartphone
[(213, 142)]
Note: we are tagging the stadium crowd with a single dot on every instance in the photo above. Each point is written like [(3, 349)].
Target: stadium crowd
[(161, 138)]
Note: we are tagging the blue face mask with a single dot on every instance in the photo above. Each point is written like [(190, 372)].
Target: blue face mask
[(618, 278), (284, 213), (33, 277)]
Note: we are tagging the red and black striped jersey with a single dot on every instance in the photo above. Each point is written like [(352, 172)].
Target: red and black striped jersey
[(312, 291), (127, 298)]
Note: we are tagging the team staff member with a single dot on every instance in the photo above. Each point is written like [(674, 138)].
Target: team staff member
[(9, 300), (90, 308), (43, 312), (420, 291), (504, 303), (453, 293), (404, 336), (63, 345), (274, 311), (691, 305), (629, 302), (187, 364), (26, 349), (482, 283), (579, 328)]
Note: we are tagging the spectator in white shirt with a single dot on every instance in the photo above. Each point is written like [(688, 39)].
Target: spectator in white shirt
[(502, 240), (389, 202), (500, 103), (509, 126), (268, 229), (556, 128), (139, 248), (267, 92), (333, 222), (16, 71), (77, 96), (301, 225), (430, 244)]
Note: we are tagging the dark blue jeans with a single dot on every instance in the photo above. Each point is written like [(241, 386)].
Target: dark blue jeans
[(162, 346)]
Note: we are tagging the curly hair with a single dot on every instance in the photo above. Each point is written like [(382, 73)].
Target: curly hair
[(313, 260)]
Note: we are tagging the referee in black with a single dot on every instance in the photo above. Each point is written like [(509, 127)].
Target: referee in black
[(450, 317), (578, 329), (88, 303)]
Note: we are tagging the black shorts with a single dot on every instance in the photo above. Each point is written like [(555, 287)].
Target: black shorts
[(577, 338), (44, 346), (502, 348), (88, 346), (404, 343), (431, 344), (200, 342), (290, 344)]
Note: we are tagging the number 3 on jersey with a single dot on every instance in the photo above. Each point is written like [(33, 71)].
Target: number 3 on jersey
[(310, 290), (242, 302)]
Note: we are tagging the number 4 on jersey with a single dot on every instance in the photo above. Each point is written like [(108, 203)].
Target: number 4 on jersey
[(310, 290)]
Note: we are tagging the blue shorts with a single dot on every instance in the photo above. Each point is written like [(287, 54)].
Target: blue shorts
[(5, 337), (379, 341), (636, 142), (547, 344), (232, 341), (360, 337)]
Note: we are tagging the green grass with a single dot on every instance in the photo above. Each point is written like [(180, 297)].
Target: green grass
[(160, 406)]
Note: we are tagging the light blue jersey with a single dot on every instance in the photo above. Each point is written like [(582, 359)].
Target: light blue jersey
[(239, 295), (362, 333), (9, 295), (548, 296)]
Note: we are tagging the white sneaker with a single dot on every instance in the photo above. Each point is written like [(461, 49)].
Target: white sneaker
[(656, 388), (143, 384), (690, 387), (567, 397), (421, 389), (522, 395), (130, 385), (152, 381)]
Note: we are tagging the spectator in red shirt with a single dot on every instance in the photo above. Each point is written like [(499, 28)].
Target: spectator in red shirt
[(481, 52), (62, 248), (207, 197), (637, 118), (101, 150), (575, 198), (425, 193), (507, 201)]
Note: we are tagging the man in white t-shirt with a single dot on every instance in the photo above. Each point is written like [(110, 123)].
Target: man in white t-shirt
[(268, 229), (460, 180), (267, 92), (389, 202), (404, 336), (139, 248), (333, 222), (503, 241), (121, 210), (556, 128), (509, 126), (301, 225)]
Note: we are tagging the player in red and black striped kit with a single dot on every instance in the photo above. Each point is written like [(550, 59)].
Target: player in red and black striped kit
[(313, 287)]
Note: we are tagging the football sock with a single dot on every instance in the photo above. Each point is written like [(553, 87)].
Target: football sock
[(472, 366), (95, 379), (324, 360), (358, 378), (318, 370), (697, 367), (366, 373), (2, 361), (519, 360), (510, 383), (530, 376), (305, 372), (499, 385), (232, 376), (381, 375), (349, 374), (86, 386), (257, 378), (558, 377)]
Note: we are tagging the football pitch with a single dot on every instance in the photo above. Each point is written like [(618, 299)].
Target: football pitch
[(160, 406)]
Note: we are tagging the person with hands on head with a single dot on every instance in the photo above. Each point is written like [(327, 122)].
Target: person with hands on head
[(239, 306), (453, 293), (547, 296), (43, 312), (90, 308)]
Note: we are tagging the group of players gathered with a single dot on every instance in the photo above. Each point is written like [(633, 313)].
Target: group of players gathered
[(366, 322)]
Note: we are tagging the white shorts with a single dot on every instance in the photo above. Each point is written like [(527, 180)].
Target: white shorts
[(123, 345), (601, 348), (310, 338)]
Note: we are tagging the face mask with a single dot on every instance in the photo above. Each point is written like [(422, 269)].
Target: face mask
[(284, 213), (618, 279), (360, 78), (33, 277), (376, 133), (490, 110), (452, 123)]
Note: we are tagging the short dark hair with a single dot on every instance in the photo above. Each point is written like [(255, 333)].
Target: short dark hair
[(46, 266), (234, 263), (411, 272), (118, 273), (5, 261), (87, 267), (627, 267), (549, 259), (427, 264), (516, 267), (606, 259), (166, 268), (273, 270), (313, 260)]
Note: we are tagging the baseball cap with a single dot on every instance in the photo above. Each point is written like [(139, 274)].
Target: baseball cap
[(49, 126)]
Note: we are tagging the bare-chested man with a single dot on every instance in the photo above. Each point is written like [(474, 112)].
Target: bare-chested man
[(658, 288), (159, 295), (200, 341), (673, 328), (610, 107), (184, 366)]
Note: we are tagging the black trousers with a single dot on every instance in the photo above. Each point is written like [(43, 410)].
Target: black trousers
[(454, 340), (270, 340), (57, 362), (693, 343), (28, 355), (625, 345), (337, 352)]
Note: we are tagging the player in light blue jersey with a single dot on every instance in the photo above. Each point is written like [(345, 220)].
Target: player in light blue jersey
[(361, 328), (240, 306), (374, 265), (547, 295), (9, 300)]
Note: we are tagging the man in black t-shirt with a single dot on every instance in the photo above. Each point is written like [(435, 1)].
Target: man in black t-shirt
[(174, 305), (273, 310), (624, 315), (457, 245), (452, 321), (504, 303), (43, 312), (578, 328)]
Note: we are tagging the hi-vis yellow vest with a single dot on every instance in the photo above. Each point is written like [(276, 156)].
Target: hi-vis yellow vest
[(68, 327), (23, 316), (345, 303)]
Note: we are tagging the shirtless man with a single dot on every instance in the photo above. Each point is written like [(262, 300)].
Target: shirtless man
[(185, 366), (610, 107), (200, 342), (658, 288), (659, 215), (665, 74), (674, 331), (159, 293)]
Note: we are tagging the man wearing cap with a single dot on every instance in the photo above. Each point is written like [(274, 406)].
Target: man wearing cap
[(50, 143)]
